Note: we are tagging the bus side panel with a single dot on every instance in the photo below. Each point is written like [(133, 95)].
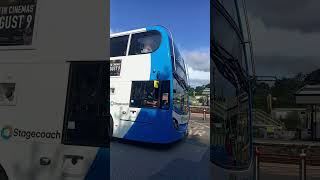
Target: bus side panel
[(119, 108), (133, 68), (161, 65), (88, 166), (158, 129), (38, 108), (100, 167), (182, 119)]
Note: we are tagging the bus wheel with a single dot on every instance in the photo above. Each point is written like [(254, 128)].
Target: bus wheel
[(3, 175)]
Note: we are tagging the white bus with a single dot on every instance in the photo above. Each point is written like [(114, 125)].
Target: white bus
[(53, 90), (148, 86)]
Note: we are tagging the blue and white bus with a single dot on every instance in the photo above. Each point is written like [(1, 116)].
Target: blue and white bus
[(232, 72), (53, 90), (148, 86)]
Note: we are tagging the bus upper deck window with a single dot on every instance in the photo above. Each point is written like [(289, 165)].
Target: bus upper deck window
[(143, 43), (118, 46)]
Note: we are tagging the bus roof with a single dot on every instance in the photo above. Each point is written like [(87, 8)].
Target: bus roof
[(140, 30)]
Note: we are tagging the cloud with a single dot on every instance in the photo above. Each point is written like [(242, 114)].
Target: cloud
[(198, 78), (198, 63), (196, 74), (285, 66), (283, 42), (198, 82), (283, 52), (300, 15), (198, 59)]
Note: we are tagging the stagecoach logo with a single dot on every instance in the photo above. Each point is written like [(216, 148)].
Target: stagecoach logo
[(112, 103), (6, 132)]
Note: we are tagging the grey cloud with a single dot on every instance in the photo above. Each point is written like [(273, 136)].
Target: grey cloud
[(198, 59), (285, 66), (198, 82), (282, 42), (301, 15)]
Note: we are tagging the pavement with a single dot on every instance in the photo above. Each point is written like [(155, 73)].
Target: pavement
[(276, 171)]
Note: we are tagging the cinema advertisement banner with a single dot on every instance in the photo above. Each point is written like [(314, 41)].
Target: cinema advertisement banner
[(17, 21)]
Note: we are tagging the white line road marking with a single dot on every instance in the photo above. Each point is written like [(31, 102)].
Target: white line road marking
[(198, 129), (197, 132), (200, 132), (200, 124)]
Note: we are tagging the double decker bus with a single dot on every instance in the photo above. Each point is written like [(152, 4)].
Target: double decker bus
[(232, 72), (148, 86), (53, 90)]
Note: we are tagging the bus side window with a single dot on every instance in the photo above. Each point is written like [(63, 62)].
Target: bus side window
[(177, 97), (143, 94), (165, 94), (185, 106), (118, 46)]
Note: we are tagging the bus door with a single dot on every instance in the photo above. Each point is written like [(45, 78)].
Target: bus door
[(85, 129)]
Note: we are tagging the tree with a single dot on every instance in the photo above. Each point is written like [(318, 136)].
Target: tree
[(284, 90), (313, 77), (260, 96)]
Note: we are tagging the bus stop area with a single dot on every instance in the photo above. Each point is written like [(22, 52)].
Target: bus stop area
[(185, 159)]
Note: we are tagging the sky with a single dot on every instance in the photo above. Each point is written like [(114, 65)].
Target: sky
[(285, 36), (188, 20)]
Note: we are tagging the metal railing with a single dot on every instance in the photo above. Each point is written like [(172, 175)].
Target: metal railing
[(302, 160), (265, 118)]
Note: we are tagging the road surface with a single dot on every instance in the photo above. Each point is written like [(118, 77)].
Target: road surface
[(187, 159)]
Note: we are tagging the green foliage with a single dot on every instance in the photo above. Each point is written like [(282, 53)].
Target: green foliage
[(313, 77), (197, 91), (260, 98), (282, 92), (191, 91)]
